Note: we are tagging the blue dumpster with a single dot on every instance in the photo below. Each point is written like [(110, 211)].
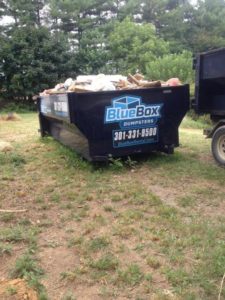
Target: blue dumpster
[(115, 123)]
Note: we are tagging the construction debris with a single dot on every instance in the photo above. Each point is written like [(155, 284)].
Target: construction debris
[(101, 82)]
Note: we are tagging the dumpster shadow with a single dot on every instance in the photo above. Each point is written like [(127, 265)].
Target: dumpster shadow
[(133, 161)]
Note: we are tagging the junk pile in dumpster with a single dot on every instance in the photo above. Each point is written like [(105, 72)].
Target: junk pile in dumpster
[(112, 115), (101, 82)]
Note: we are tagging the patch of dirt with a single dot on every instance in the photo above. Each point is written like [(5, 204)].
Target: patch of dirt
[(10, 117), (5, 146), (16, 289), (56, 260)]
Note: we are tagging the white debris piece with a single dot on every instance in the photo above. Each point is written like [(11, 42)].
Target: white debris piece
[(82, 79), (68, 83), (101, 83)]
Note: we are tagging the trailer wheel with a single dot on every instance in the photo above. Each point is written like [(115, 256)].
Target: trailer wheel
[(218, 145)]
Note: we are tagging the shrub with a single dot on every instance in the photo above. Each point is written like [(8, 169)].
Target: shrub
[(172, 65)]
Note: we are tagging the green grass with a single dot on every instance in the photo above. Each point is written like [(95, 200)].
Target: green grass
[(18, 233), (98, 243), (120, 227), (7, 217), (198, 123), (105, 263), (131, 276), (26, 267), (5, 249)]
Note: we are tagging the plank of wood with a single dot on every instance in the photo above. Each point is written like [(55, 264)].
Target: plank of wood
[(12, 210)]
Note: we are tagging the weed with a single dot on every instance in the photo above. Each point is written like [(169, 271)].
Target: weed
[(7, 217), (17, 160), (45, 207), (130, 216), (139, 247), (24, 222), (75, 241), (26, 267), (67, 206), (116, 198), (13, 159), (11, 290), (148, 277), (106, 263), (153, 262), (69, 275), (98, 243), (45, 223), (124, 231), (186, 201), (55, 198), (69, 296), (178, 277), (108, 208), (19, 234), (71, 158), (132, 275), (5, 249), (74, 274), (115, 164), (130, 162), (39, 200), (167, 212)]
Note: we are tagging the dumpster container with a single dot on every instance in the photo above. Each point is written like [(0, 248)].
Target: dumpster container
[(210, 97), (115, 123)]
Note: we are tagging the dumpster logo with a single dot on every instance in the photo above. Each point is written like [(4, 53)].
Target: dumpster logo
[(129, 108)]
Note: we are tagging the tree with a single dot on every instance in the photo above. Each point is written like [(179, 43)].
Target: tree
[(132, 46), (26, 12), (208, 26), (31, 60)]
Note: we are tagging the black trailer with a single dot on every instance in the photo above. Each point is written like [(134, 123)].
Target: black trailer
[(210, 97), (115, 123)]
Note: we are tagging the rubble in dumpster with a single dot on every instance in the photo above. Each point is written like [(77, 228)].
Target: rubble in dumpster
[(102, 82)]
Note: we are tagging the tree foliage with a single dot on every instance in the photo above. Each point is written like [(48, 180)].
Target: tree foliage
[(133, 45), (171, 65), (32, 59)]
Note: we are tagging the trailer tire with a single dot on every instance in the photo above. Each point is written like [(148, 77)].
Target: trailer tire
[(218, 145)]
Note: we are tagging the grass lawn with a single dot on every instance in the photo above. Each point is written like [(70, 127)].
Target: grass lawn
[(152, 229)]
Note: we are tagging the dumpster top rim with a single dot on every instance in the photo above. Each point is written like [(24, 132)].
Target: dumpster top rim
[(119, 91), (211, 51)]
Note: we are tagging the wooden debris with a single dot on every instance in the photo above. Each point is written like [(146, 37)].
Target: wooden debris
[(12, 210), (148, 84), (139, 76), (132, 79)]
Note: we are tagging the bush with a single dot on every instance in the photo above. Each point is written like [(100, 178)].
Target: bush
[(18, 107), (172, 65)]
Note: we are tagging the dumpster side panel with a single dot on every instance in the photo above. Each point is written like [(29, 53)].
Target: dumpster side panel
[(54, 118), (127, 122)]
